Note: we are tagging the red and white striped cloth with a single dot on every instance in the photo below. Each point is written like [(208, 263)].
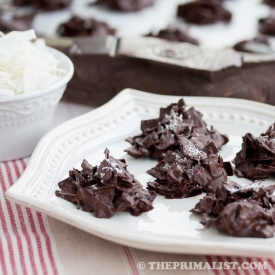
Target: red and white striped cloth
[(32, 243), (25, 240)]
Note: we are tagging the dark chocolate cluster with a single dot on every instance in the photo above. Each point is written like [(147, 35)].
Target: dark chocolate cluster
[(78, 26), (239, 211), (21, 3), (256, 160), (269, 2), (175, 33), (203, 12), (267, 25), (44, 4), (126, 5), (106, 189), (189, 171), (162, 134)]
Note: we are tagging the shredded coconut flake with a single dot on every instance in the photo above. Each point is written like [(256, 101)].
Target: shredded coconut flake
[(26, 66)]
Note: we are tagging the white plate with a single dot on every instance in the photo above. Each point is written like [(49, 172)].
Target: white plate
[(169, 227)]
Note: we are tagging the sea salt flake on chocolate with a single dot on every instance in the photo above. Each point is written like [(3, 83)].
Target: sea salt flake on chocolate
[(189, 149), (162, 134), (189, 171)]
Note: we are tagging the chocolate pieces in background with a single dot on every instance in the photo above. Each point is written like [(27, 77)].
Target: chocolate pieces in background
[(175, 33), (105, 66), (267, 25), (189, 171), (269, 2), (80, 26), (256, 160), (203, 12), (47, 5), (15, 18), (126, 5), (238, 211), (21, 3), (106, 189), (164, 133)]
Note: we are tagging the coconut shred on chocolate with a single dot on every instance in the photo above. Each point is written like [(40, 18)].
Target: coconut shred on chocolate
[(106, 189), (80, 26), (162, 134), (126, 5), (256, 160), (189, 171), (203, 12), (240, 211)]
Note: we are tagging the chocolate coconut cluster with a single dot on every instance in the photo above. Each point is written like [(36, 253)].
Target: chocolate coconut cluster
[(126, 5), (189, 171), (79, 26), (239, 211), (256, 160), (269, 2), (106, 189), (267, 25), (245, 211), (175, 33), (162, 134), (44, 4), (203, 12)]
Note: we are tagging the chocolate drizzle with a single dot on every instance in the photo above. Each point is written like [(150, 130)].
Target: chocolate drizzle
[(78, 26), (256, 160), (162, 134), (106, 189), (203, 12), (239, 211), (189, 171)]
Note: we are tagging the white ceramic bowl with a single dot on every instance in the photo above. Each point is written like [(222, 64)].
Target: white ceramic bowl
[(25, 118)]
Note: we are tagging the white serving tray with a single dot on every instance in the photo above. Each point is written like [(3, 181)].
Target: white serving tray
[(169, 227)]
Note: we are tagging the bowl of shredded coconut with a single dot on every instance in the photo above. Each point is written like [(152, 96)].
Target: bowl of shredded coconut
[(33, 78)]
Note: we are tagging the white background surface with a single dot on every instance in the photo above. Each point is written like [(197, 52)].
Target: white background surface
[(242, 26)]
